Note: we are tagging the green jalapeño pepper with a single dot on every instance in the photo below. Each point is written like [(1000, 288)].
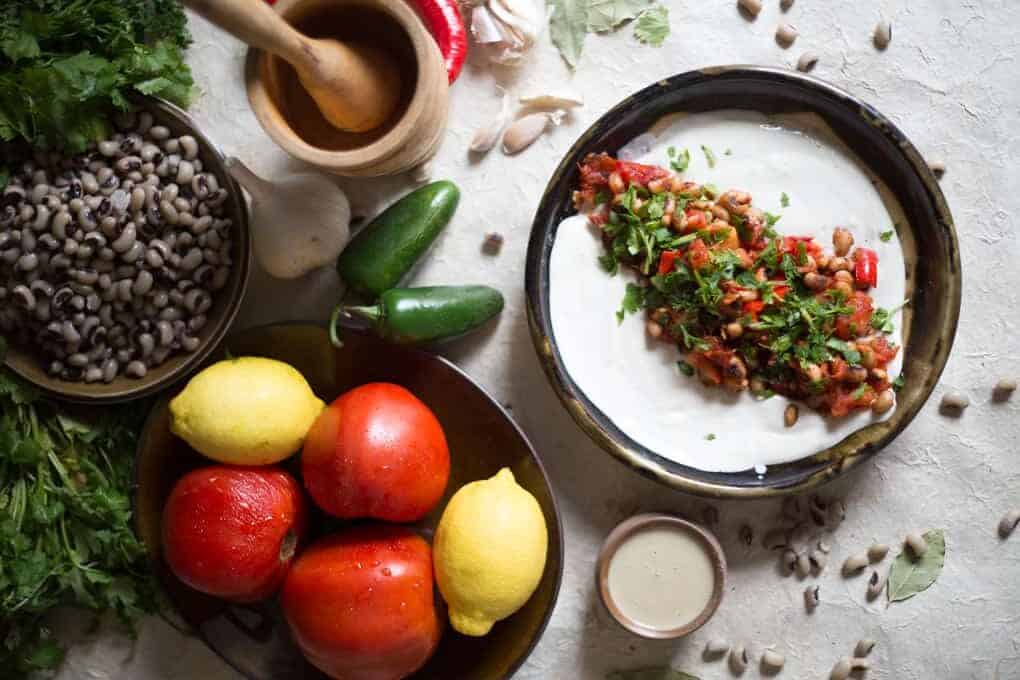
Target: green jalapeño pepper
[(419, 315), (379, 256)]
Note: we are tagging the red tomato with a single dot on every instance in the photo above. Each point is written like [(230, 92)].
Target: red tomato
[(843, 400), (884, 352), (360, 603), (780, 291), (865, 268), (639, 173), (851, 325), (377, 451), (667, 260), (753, 308), (698, 255), (232, 531), (695, 219)]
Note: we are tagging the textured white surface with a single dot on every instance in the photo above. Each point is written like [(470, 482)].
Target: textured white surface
[(949, 80)]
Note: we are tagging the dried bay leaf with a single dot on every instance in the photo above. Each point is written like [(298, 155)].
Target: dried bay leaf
[(908, 576), (651, 673), (606, 15), (568, 26)]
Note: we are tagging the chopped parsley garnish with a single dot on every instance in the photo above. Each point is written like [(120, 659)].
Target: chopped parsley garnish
[(897, 384), (609, 264), (852, 356), (784, 200), (633, 300), (603, 196), (685, 368), (881, 319), (710, 436), (859, 392), (728, 152), (709, 155), (678, 161), (886, 236)]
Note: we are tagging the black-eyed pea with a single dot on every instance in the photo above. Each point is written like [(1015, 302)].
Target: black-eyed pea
[(916, 544), (854, 564), (863, 648)]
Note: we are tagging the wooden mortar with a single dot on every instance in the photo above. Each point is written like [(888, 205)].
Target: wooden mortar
[(289, 115)]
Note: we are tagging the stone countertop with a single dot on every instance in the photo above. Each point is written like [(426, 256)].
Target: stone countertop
[(948, 80)]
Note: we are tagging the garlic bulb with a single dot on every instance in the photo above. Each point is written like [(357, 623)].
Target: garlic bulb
[(507, 28)]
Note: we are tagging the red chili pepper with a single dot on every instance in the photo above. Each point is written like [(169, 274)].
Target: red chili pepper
[(865, 268), (667, 260), (447, 27)]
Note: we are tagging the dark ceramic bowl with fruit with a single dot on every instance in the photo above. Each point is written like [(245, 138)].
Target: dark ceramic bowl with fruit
[(930, 254), (254, 638)]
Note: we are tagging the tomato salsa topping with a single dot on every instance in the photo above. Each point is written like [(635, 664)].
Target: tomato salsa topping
[(750, 308)]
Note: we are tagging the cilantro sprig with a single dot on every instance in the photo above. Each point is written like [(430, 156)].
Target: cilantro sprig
[(66, 535)]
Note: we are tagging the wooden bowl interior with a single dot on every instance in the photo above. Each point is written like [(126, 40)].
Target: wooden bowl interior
[(349, 22), (930, 246), (29, 365), (482, 439)]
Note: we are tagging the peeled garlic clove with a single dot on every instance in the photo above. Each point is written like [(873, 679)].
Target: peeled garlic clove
[(484, 28), (486, 137), (553, 101), (523, 132)]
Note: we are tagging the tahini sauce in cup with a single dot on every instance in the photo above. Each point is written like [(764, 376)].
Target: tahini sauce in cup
[(661, 576)]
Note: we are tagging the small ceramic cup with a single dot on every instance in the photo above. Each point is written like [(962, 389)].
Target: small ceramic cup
[(643, 522)]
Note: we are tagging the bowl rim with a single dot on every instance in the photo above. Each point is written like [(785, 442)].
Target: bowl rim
[(557, 514), (633, 455), (636, 524), (188, 362)]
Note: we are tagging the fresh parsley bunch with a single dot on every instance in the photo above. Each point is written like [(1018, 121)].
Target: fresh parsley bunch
[(65, 521), (65, 65)]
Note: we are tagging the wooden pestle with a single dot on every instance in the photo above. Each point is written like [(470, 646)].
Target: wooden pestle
[(356, 87)]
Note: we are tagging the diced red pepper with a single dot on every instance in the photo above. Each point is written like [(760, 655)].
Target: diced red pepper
[(667, 260), (865, 268), (695, 219), (780, 291)]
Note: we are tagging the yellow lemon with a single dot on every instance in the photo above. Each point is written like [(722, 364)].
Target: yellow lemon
[(489, 552), (245, 411)]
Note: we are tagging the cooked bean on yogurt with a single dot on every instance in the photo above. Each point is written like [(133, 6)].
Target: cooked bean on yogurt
[(750, 308), (110, 260)]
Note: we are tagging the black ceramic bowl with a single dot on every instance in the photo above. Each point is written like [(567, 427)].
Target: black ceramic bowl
[(482, 439), (930, 252)]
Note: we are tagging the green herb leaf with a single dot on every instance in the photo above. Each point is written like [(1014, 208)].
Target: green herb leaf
[(652, 26), (606, 15), (852, 356), (72, 64), (651, 673), (679, 162), (710, 436), (908, 576), (608, 263), (633, 300), (685, 368), (886, 236), (784, 200), (568, 26), (709, 155), (897, 384)]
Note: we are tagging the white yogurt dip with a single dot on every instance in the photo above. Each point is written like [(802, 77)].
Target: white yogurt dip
[(635, 381)]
